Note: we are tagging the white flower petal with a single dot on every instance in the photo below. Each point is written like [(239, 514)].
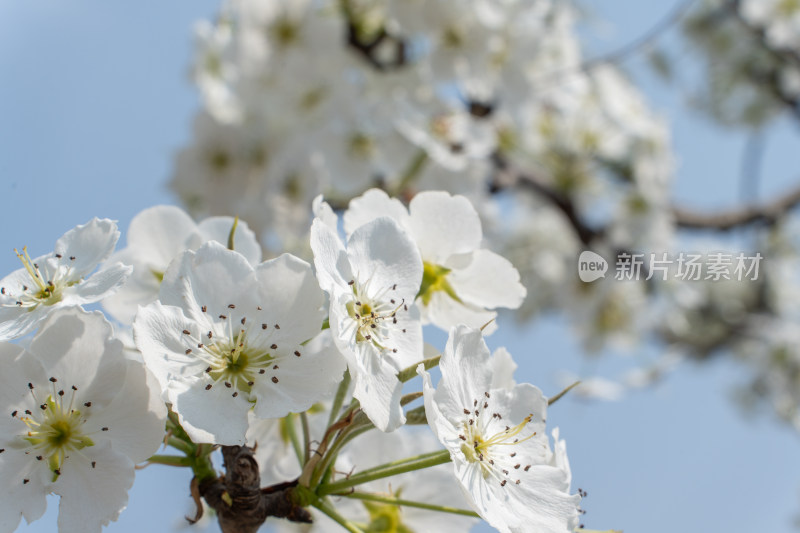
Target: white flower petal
[(488, 281), (93, 496), (101, 284), (212, 416), (322, 211), (89, 244), (15, 324), (135, 417), (78, 349), (245, 242), (444, 312), (383, 255), (379, 391), (330, 258), (158, 233), (444, 225), (157, 331), (212, 276), (373, 204), (503, 367), (294, 302), (17, 498), (303, 381)]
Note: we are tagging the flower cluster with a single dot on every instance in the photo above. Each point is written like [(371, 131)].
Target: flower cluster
[(231, 350)]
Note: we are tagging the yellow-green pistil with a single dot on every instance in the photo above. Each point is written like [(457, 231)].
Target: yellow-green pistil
[(45, 291), (434, 278), (374, 317), (483, 450), (236, 365), (58, 431)]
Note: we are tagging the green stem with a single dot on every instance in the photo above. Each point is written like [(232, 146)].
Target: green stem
[(170, 460), (203, 468), (411, 371), (410, 397), (328, 509), (231, 244), (366, 496), (411, 172), (327, 463), (182, 445), (306, 437), (558, 396), (288, 422), (338, 400), (395, 468)]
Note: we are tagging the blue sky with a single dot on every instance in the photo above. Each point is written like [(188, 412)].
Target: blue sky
[(95, 99)]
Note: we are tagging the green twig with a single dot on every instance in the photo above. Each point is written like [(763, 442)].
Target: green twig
[(291, 431), (558, 396), (232, 233), (328, 509), (170, 460), (338, 400), (370, 497), (395, 468), (411, 371), (306, 437), (182, 445), (411, 172)]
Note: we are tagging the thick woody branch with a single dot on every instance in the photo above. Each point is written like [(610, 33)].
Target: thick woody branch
[(241, 504), (768, 213)]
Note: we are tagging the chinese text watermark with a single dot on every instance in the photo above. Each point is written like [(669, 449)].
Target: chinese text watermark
[(683, 266)]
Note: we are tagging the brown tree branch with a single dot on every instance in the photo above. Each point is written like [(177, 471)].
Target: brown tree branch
[(240, 502), (505, 176), (768, 213)]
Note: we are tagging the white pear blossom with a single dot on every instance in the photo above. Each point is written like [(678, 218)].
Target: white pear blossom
[(77, 416), (462, 282), (61, 278), (155, 237), (496, 438), (226, 337), (372, 284)]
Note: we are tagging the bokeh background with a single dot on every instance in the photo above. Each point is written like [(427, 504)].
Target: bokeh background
[(95, 100)]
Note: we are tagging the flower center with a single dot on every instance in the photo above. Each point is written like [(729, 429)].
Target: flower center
[(373, 316), (236, 365), (55, 429), (478, 448), (434, 278), (46, 287), (236, 357)]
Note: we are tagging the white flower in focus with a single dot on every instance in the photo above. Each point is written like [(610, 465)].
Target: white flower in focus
[(462, 282), (62, 278), (496, 437), (372, 284), (155, 237), (226, 337), (77, 416)]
